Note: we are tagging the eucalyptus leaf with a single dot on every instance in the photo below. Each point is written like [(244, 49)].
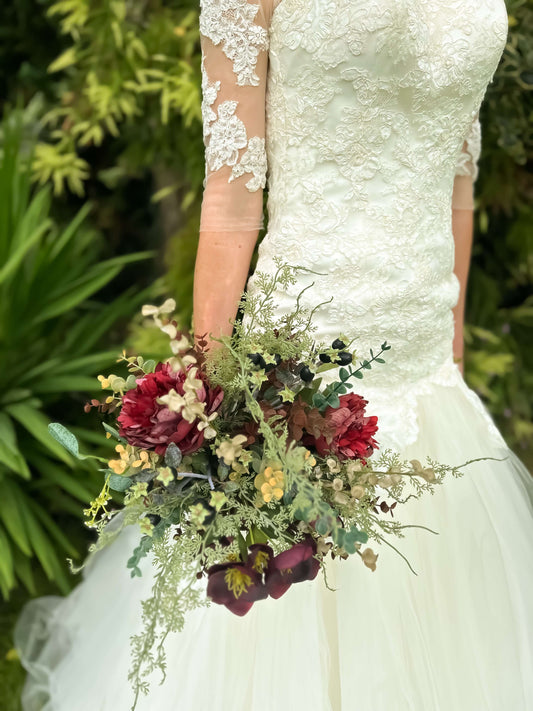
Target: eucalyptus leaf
[(149, 366), (333, 400), (65, 437), (173, 455), (119, 483)]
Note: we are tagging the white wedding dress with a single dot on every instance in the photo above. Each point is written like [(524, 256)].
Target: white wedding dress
[(370, 133)]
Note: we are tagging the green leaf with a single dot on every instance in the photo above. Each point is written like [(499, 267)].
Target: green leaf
[(344, 374), (319, 400), (52, 473), (112, 431), (333, 400), (53, 529), (68, 440), (16, 258), (357, 374), (44, 550), (24, 572), (11, 502), (379, 360), (7, 571), (62, 435), (150, 366), (259, 536), (119, 483), (66, 384), (35, 422), (322, 526), (243, 548), (10, 454)]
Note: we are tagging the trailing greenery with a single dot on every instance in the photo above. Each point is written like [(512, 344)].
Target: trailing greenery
[(50, 328)]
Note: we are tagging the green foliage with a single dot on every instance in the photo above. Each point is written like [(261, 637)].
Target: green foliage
[(50, 328), (131, 71), (499, 342)]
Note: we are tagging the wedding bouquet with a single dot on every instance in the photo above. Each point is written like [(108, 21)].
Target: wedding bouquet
[(245, 465)]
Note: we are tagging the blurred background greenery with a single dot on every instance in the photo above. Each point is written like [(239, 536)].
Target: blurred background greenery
[(101, 169)]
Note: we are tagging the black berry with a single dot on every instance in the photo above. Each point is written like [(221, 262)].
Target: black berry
[(306, 374), (338, 344), (257, 359), (154, 519), (344, 358), (324, 358)]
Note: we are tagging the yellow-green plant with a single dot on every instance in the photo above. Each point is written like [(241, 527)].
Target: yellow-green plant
[(128, 65)]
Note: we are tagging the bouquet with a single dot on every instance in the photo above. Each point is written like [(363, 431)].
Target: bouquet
[(245, 466)]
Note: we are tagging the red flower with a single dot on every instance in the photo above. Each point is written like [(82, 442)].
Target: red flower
[(239, 585), (353, 432), (292, 566), (146, 423)]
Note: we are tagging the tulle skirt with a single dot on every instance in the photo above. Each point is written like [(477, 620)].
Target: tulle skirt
[(457, 636)]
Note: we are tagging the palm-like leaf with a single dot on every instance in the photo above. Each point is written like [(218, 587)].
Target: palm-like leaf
[(50, 331)]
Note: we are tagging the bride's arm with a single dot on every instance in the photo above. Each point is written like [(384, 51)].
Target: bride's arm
[(234, 41), (463, 228)]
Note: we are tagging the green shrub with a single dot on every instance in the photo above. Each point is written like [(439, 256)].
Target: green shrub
[(499, 353), (50, 331)]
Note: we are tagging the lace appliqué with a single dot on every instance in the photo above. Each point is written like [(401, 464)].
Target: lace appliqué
[(231, 22), (225, 134), (254, 161), (469, 157), (209, 96), (368, 105)]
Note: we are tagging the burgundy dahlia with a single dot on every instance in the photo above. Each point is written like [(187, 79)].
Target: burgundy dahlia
[(146, 423), (353, 432)]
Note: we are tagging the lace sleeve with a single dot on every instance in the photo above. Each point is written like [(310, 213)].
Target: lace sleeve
[(466, 170), (234, 44)]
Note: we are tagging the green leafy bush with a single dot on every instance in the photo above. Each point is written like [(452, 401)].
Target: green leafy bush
[(50, 330), (499, 354)]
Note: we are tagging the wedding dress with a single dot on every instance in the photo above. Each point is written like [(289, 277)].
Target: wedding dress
[(364, 116)]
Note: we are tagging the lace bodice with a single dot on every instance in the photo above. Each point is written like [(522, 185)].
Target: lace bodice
[(363, 115)]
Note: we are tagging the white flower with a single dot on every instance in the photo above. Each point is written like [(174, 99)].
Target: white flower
[(231, 448)]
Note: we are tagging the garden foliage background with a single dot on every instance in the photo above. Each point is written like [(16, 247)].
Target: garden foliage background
[(101, 169)]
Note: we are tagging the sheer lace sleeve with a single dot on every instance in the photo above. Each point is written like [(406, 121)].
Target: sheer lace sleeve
[(234, 43), (466, 170)]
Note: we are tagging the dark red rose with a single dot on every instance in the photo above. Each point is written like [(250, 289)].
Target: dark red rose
[(146, 423), (292, 566), (353, 432)]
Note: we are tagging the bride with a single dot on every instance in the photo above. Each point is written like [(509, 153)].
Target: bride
[(364, 118)]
